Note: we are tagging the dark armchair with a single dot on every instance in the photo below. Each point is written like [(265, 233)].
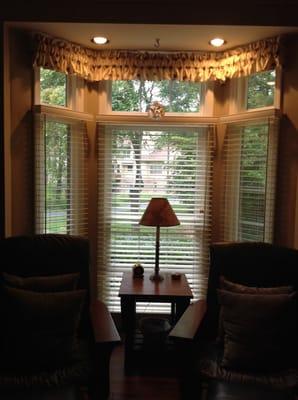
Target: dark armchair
[(241, 342), (52, 337)]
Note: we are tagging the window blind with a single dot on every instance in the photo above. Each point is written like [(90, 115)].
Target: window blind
[(135, 164), (250, 152), (60, 175)]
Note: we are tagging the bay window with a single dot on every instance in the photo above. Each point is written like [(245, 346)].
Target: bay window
[(135, 157)]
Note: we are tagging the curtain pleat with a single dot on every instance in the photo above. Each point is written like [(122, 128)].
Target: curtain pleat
[(96, 65)]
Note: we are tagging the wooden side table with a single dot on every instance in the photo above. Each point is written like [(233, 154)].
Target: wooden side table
[(132, 290)]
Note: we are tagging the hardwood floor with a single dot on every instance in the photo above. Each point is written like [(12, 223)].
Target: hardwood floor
[(155, 383)]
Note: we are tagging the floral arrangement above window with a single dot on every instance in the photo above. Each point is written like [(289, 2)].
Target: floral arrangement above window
[(156, 110)]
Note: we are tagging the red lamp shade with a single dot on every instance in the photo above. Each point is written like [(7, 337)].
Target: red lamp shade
[(159, 213)]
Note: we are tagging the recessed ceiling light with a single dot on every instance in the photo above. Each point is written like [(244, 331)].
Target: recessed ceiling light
[(217, 42), (99, 40)]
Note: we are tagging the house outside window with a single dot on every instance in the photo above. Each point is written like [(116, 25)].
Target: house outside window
[(155, 169)]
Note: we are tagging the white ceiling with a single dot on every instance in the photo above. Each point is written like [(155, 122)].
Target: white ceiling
[(143, 37)]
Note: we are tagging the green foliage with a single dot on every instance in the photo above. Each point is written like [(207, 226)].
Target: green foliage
[(254, 154), (253, 181), (57, 166), (52, 87), (260, 93), (180, 96), (124, 96), (175, 96)]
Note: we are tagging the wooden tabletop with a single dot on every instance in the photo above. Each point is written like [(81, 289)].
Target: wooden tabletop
[(145, 288)]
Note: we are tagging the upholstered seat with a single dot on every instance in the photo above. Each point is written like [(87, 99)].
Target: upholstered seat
[(62, 339), (208, 362), (245, 332)]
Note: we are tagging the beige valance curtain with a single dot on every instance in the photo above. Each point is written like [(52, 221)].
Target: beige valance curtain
[(96, 65)]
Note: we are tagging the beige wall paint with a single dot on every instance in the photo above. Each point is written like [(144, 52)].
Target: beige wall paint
[(221, 108), (91, 106), (286, 204)]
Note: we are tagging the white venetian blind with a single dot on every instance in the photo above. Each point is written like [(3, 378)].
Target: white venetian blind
[(60, 175), (135, 164), (250, 151)]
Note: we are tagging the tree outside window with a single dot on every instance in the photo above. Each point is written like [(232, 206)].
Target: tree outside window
[(260, 90)]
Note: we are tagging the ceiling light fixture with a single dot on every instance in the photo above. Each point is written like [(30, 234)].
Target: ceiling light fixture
[(99, 40), (217, 42)]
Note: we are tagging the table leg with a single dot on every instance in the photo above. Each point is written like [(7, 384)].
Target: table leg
[(173, 312), (128, 315)]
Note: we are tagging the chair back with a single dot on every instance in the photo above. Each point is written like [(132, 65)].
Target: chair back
[(48, 254), (249, 263)]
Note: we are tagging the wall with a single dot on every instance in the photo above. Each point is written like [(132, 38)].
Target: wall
[(18, 135), (233, 12), (221, 108), (91, 106), (287, 179)]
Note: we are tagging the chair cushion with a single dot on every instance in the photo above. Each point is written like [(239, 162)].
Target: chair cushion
[(218, 390), (259, 330), (238, 288), (39, 330), (52, 283)]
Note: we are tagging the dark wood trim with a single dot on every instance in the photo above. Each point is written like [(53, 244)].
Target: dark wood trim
[(189, 323), (266, 13), (103, 324), (2, 218)]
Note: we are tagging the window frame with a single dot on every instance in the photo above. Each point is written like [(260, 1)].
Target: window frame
[(206, 107), (230, 218), (238, 95), (71, 119), (74, 92)]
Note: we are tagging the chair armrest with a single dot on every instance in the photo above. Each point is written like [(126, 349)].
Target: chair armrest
[(106, 337), (104, 328), (190, 321)]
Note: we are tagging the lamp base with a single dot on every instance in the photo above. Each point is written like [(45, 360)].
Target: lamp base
[(156, 277)]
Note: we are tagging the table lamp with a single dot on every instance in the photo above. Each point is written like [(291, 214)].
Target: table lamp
[(158, 213)]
